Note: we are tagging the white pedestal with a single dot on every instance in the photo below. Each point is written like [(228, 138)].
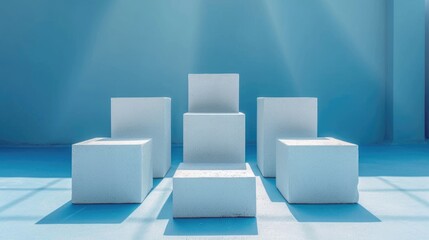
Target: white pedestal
[(282, 118), (214, 190), (111, 171), (145, 118), (214, 138), (322, 170), (215, 93)]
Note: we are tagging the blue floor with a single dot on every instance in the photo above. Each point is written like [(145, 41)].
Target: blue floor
[(35, 191)]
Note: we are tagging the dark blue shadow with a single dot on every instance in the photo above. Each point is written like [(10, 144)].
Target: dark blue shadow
[(211, 226), (331, 213), (410, 160), (42, 162), (89, 214)]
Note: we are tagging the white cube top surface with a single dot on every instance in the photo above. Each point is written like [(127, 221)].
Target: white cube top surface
[(213, 170), (213, 92), (323, 141), (114, 141), (214, 114)]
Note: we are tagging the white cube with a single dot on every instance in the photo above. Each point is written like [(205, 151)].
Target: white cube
[(322, 170), (111, 170), (282, 118), (214, 190), (145, 118), (217, 93), (214, 137)]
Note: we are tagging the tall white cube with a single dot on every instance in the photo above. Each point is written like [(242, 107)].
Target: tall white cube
[(282, 118), (145, 118), (214, 190), (111, 170), (322, 170), (215, 93), (214, 137)]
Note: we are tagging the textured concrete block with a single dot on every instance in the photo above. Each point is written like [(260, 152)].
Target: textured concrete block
[(111, 170), (282, 118), (216, 93), (214, 137), (322, 170), (145, 118), (214, 190)]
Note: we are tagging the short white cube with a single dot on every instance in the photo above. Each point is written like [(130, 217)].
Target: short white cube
[(145, 118), (214, 137), (215, 93), (214, 190), (282, 118), (322, 170), (111, 170)]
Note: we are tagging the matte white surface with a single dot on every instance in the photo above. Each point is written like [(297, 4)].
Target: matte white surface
[(214, 137), (214, 190), (217, 93), (145, 118), (323, 170), (111, 171), (282, 118)]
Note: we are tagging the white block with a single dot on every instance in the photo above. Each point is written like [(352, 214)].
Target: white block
[(214, 137), (323, 170), (216, 93), (111, 170), (145, 118), (214, 190), (282, 118)]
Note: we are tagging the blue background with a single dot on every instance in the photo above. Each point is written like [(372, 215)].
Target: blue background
[(61, 62)]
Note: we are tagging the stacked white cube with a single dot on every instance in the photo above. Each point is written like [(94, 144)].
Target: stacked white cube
[(214, 190), (282, 118), (213, 93), (214, 181), (111, 171), (320, 170), (211, 138), (145, 118), (214, 129)]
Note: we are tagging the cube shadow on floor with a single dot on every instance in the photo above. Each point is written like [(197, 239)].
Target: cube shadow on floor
[(331, 213), (211, 226), (89, 214)]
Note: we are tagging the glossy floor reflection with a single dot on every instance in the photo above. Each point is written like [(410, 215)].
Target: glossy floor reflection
[(35, 192)]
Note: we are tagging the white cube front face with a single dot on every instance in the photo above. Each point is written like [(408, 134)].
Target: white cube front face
[(145, 118), (214, 138), (325, 172), (282, 118), (111, 171), (219, 192), (213, 93)]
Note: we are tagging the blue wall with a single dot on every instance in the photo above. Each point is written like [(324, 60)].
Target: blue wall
[(62, 60), (427, 69), (406, 70)]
